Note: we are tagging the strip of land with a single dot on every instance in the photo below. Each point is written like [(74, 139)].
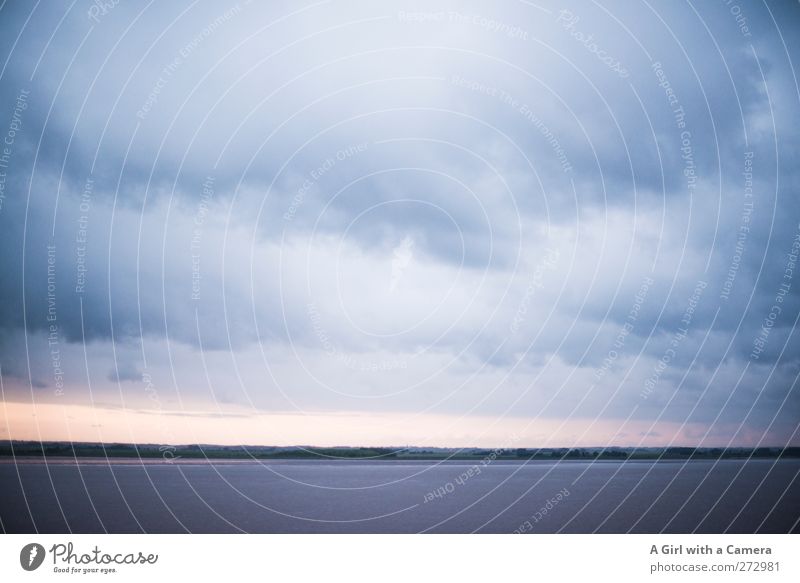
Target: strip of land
[(61, 450)]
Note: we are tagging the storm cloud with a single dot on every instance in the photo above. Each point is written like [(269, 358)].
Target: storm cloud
[(557, 211)]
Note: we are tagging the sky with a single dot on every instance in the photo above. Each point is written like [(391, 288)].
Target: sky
[(516, 224)]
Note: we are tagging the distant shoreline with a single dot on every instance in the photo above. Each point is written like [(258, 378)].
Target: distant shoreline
[(61, 451), (154, 461)]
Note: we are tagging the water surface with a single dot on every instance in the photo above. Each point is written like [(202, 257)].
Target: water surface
[(400, 497)]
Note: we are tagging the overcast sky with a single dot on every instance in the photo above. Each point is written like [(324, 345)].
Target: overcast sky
[(527, 224)]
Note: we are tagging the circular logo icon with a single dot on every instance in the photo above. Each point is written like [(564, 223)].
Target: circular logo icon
[(31, 556)]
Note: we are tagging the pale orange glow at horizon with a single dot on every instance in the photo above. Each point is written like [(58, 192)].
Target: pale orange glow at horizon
[(79, 423)]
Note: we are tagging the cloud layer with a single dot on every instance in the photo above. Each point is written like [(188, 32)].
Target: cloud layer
[(538, 213)]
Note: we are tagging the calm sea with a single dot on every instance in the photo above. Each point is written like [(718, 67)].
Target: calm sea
[(400, 497)]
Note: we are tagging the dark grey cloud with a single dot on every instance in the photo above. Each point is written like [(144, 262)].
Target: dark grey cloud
[(343, 186)]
